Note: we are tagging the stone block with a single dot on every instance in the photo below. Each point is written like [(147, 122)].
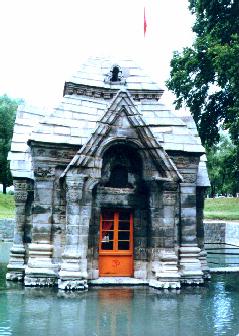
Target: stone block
[(188, 212), (168, 221), (156, 242), (169, 242), (188, 200), (72, 240), (40, 209), (188, 221), (187, 189), (169, 198), (169, 211), (40, 237), (72, 230), (188, 231), (72, 210), (44, 218), (168, 232)]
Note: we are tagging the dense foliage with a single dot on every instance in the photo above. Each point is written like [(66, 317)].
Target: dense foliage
[(222, 168), (206, 76), (8, 109)]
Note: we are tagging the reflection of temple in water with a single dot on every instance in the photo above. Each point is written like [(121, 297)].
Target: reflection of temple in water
[(109, 185), (128, 311), (115, 311)]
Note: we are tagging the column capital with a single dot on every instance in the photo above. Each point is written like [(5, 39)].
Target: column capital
[(74, 187), (21, 189)]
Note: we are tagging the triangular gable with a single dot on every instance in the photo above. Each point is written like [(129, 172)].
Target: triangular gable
[(123, 103)]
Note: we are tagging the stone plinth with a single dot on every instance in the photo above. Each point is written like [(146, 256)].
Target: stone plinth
[(40, 270), (190, 265)]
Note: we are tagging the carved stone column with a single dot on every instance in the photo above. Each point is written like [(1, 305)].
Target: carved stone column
[(190, 264), (73, 273), (16, 266), (164, 260), (40, 271)]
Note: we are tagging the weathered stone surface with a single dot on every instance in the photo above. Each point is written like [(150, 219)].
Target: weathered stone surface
[(7, 229)]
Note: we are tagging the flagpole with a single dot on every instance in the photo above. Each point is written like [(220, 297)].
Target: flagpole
[(145, 22)]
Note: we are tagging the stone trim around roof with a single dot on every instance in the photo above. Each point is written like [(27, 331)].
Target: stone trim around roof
[(71, 88), (98, 140)]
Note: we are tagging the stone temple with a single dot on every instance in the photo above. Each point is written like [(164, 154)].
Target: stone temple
[(109, 186)]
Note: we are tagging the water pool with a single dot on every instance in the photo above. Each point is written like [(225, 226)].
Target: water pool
[(208, 310)]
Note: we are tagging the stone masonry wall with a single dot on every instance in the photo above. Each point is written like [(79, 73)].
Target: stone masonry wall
[(221, 232), (7, 229), (214, 232)]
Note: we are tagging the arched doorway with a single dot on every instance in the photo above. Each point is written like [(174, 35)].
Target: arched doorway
[(120, 201)]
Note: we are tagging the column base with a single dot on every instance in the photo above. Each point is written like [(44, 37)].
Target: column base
[(34, 281), (77, 284), (165, 271), (190, 265), (164, 284), (16, 265), (73, 274), (40, 271), (204, 265)]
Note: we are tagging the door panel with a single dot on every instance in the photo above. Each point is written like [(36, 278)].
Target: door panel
[(115, 265), (116, 243)]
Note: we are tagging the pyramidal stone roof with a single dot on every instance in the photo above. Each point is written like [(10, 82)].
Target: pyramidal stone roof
[(88, 95)]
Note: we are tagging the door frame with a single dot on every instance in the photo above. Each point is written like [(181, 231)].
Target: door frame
[(116, 256)]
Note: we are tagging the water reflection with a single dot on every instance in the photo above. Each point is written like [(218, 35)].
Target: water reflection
[(222, 255), (208, 310), (222, 309), (212, 309)]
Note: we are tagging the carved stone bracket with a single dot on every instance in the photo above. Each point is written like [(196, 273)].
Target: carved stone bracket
[(74, 188), (44, 172)]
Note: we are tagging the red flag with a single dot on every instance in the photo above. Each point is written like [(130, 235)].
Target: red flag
[(145, 22)]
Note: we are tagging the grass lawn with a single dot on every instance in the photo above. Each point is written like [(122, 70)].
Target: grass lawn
[(222, 208), (7, 206)]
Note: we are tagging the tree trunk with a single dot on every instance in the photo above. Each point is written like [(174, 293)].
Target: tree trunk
[(4, 188)]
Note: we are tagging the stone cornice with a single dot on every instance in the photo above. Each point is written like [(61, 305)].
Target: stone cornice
[(71, 88)]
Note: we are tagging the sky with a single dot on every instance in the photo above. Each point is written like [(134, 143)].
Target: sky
[(44, 41)]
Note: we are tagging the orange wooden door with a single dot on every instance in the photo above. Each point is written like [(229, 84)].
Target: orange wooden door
[(116, 243)]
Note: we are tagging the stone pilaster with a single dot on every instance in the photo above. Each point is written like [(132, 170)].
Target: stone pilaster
[(164, 260), (200, 194), (16, 266), (190, 265), (40, 270), (73, 273)]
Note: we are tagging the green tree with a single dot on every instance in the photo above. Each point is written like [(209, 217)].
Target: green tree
[(222, 168), (8, 109), (205, 76)]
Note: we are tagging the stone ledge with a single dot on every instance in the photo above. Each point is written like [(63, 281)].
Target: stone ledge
[(118, 281), (224, 269)]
